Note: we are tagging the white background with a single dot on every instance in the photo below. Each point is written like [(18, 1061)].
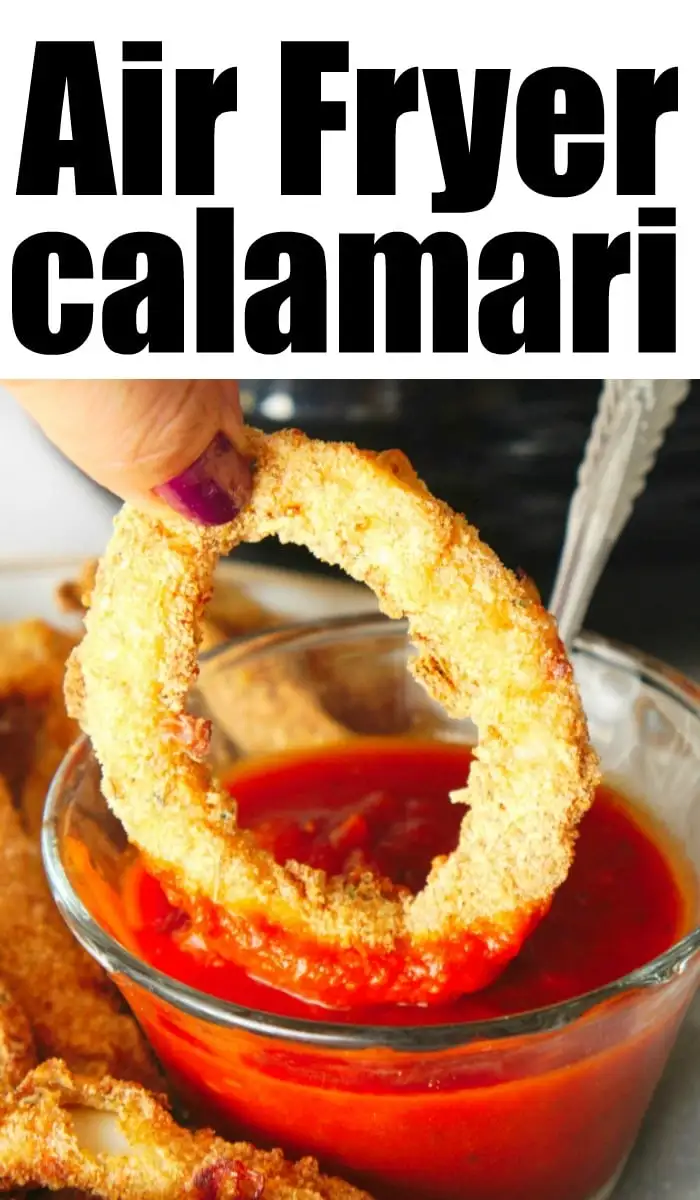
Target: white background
[(596, 37)]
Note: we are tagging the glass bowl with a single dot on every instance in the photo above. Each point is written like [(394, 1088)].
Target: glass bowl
[(541, 1106)]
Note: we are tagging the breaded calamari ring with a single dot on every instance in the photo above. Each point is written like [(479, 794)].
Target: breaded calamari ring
[(117, 1141), (486, 648), (231, 612), (17, 1051), (278, 702), (73, 1009)]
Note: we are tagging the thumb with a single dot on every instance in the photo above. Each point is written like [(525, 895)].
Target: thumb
[(151, 442)]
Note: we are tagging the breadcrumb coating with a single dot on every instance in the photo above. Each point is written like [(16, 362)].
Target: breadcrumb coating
[(117, 1141), (35, 729), (73, 1009), (17, 1051), (266, 707)]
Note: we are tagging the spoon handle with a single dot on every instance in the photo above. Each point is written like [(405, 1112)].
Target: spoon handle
[(629, 428)]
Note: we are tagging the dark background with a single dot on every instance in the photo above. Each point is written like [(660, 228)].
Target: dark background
[(506, 454)]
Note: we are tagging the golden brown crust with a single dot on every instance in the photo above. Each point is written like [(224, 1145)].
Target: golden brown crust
[(35, 730), (32, 656), (72, 1007), (17, 1052), (231, 611), (486, 648), (275, 702), (46, 1141), (265, 708)]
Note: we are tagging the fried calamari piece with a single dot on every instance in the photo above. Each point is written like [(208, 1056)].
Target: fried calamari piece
[(275, 702), (486, 648), (117, 1141), (55, 735), (32, 655), (266, 706), (17, 1052), (232, 611), (35, 730), (73, 596), (73, 1009), (279, 711), (370, 694)]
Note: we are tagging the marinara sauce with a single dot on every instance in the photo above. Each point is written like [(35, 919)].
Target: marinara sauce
[(545, 1117)]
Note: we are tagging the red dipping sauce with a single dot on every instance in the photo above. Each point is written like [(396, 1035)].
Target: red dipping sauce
[(620, 907), (540, 1117)]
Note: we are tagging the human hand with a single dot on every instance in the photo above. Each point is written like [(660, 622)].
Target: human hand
[(152, 442)]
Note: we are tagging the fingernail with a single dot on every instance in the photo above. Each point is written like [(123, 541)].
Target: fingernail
[(214, 489)]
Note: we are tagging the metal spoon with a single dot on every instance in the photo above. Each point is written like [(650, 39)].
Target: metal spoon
[(629, 428)]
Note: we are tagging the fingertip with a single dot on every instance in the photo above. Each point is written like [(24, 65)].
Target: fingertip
[(214, 488)]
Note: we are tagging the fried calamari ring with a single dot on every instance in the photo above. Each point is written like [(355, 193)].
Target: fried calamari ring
[(17, 1051), (486, 648), (117, 1141)]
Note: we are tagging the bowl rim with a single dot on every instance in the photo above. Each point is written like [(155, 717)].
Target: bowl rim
[(118, 961)]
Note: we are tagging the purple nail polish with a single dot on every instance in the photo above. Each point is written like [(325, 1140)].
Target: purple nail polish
[(214, 489)]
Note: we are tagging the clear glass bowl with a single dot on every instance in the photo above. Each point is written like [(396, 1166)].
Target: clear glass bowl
[(541, 1106)]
